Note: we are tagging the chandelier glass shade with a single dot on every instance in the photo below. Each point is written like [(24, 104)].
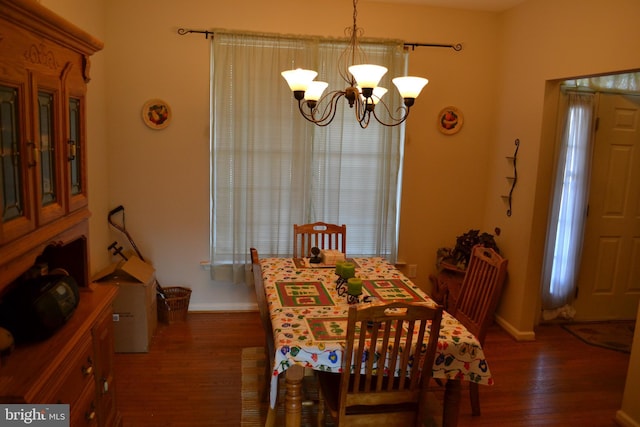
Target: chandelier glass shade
[(362, 92)]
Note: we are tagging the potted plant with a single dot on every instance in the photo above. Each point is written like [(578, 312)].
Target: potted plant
[(459, 255)]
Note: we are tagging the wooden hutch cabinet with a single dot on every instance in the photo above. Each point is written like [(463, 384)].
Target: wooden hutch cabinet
[(44, 71), (43, 78)]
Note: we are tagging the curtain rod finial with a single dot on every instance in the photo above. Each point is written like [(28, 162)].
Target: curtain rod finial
[(183, 31)]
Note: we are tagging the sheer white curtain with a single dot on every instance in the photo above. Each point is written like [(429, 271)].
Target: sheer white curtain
[(355, 173), (568, 215), (620, 83), (270, 168)]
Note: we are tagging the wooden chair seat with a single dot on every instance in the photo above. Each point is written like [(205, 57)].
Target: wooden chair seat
[(331, 382)]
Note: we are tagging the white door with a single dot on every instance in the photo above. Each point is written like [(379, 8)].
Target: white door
[(609, 280)]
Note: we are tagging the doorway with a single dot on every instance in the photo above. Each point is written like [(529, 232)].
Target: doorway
[(606, 281)]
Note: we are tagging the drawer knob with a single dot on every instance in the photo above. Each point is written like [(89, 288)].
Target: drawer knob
[(90, 415), (88, 370), (105, 386)]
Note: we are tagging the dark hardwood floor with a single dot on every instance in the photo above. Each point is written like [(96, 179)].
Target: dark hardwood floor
[(190, 377)]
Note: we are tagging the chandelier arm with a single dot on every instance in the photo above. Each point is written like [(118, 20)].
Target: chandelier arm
[(331, 107), (328, 112), (395, 121), (363, 115), (366, 118), (391, 124)]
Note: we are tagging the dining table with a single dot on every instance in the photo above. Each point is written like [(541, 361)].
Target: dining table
[(309, 315)]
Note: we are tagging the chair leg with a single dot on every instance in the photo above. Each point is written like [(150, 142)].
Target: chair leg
[(271, 417), (272, 413), (474, 394), (321, 415), (264, 393)]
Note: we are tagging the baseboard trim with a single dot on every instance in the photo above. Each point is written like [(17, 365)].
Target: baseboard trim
[(514, 332), (223, 307), (624, 420)]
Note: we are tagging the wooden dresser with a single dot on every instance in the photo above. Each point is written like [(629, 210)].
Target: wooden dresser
[(446, 285), (75, 366), (44, 71)]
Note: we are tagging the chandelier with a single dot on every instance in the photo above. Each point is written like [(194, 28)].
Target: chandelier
[(362, 91)]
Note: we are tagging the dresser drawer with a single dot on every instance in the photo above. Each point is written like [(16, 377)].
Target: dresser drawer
[(74, 375), (81, 372), (83, 411)]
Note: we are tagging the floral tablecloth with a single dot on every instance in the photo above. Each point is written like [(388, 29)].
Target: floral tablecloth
[(309, 318)]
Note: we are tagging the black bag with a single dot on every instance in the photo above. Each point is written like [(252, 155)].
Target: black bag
[(36, 308)]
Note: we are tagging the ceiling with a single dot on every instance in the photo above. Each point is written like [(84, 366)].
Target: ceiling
[(485, 5)]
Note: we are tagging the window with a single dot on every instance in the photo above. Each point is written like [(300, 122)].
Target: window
[(272, 169)]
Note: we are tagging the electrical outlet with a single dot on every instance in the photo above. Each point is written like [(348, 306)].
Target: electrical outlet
[(412, 270)]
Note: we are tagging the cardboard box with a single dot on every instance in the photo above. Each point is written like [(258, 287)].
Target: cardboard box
[(331, 256), (135, 314)]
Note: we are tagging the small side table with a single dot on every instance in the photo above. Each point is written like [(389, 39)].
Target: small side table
[(446, 285)]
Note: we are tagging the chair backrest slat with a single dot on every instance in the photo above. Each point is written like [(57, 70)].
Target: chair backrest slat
[(320, 235), (480, 290), (380, 333)]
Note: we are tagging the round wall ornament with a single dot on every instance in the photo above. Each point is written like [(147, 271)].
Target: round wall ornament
[(156, 114), (450, 120)]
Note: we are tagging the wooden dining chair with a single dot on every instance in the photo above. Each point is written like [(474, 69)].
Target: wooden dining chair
[(364, 394), (320, 235), (265, 319), (479, 296)]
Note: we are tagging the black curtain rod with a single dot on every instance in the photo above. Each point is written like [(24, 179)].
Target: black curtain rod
[(457, 47), (183, 31)]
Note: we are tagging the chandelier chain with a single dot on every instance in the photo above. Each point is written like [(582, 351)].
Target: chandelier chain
[(355, 13)]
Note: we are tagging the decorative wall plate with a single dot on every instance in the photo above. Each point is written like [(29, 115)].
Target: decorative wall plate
[(450, 120), (156, 114)]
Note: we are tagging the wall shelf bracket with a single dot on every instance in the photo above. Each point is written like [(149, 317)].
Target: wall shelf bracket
[(514, 178)]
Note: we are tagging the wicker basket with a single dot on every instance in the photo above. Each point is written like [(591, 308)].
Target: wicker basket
[(175, 306)]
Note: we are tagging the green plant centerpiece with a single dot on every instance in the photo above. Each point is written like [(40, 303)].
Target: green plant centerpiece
[(459, 255)]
